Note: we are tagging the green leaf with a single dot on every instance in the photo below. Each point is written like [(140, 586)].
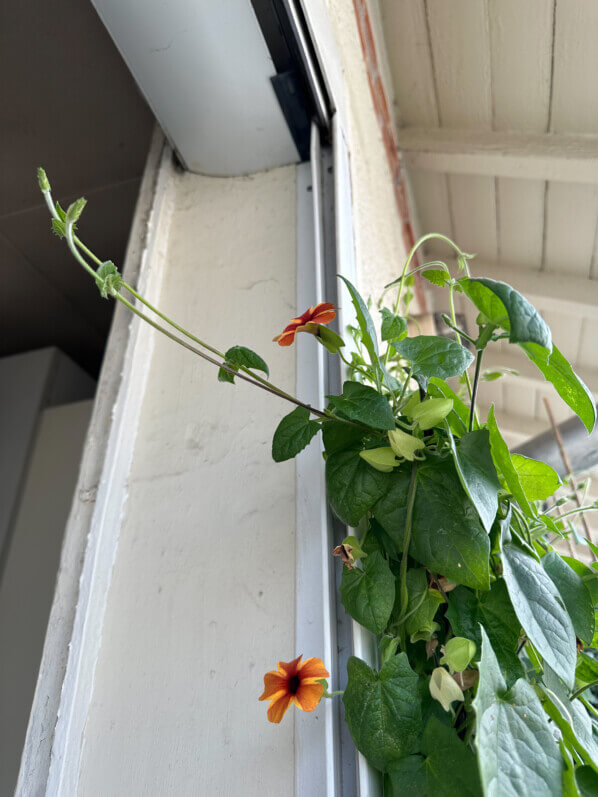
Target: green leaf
[(437, 276), (383, 710), (366, 325), (459, 418), (586, 779), (240, 355), (571, 717), (451, 767), (507, 308), (391, 509), (540, 610), (447, 536), (574, 593), (538, 480), (517, 752), (363, 404), (587, 575), (494, 611), (293, 434), (458, 653), (448, 770), (353, 486), (557, 370), (587, 669), (368, 595), (503, 462), (394, 327), (408, 778), (432, 355), (477, 474), (338, 436), (422, 606)]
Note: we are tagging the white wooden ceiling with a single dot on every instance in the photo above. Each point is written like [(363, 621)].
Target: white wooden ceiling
[(497, 116), (497, 105)]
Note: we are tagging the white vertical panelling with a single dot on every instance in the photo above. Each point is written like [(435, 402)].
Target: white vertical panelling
[(432, 209), (519, 398), (459, 36), (521, 214), (408, 45), (566, 329), (571, 212), (574, 95), (587, 354), (473, 202), (521, 35)]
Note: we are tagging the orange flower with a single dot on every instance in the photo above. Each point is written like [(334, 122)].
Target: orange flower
[(296, 683), (322, 313)]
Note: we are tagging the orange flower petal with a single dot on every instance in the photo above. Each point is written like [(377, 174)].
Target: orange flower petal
[(285, 338), (312, 668), (273, 682), (289, 668), (278, 708), (324, 318), (308, 696)]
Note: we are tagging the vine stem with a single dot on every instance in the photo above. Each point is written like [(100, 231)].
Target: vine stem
[(253, 379), (474, 390), (404, 559), (582, 689)]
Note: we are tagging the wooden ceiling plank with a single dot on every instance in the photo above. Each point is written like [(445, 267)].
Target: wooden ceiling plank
[(473, 202), (571, 212), (520, 46), (521, 214), (531, 156), (574, 106), (460, 51), (408, 49)]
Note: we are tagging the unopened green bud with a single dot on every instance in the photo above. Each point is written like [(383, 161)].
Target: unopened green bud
[(108, 279), (405, 445), (42, 179), (444, 688), (75, 210), (431, 412), (425, 633), (382, 459), (458, 652)]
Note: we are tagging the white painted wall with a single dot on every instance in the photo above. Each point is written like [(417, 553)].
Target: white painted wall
[(29, 576), (202, 598)]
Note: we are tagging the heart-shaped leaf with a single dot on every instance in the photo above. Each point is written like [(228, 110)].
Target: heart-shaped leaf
[(517, 751), (353, 486), (363, 404), (293, 434), (368, 595), (477, 474), (241, 355), (538, 480), (508, 309), (432, 355), (574, 593), (383, 710), (540, 610)]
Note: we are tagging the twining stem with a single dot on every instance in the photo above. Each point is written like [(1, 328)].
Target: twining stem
[(582, 689), (474, 390), (209, 359), (404, 593), (74, 244), (404, 388)]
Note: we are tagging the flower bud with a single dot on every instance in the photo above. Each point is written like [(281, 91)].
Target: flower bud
[(405, 445), (42, 179), (75, 210), (444, 689), (458, 652), (382, 459), (431, 412)]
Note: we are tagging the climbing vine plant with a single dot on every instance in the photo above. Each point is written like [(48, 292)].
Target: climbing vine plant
[(485, 630)]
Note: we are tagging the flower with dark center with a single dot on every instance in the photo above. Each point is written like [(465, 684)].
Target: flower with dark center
[(294, 682)]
